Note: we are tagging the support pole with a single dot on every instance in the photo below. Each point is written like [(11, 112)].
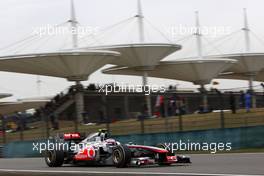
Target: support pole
[(73, 23), (247, 49), (222, 117), (140, 23), (205, 98), (198, 35), (79, 104), (147, 97), (251, 89), (141, 35), (246, 31)]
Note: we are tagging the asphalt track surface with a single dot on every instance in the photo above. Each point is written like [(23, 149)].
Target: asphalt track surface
[(246, 164)]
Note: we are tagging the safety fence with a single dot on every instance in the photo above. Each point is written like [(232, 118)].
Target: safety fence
[(41, 130)]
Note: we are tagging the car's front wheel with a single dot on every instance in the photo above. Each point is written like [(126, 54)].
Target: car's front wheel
[(121, 156)]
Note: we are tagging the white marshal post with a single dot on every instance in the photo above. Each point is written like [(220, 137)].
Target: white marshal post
[(141, 34)]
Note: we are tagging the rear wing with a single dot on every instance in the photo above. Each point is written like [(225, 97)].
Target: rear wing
[(72, 136)]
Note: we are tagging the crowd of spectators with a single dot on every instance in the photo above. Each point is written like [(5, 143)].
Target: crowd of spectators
[(169, 106), (15, 122)]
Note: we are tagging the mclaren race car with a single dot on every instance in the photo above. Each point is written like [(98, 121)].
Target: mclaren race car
[(98, 149)]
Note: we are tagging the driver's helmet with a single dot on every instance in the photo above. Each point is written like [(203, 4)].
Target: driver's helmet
[(103, 134)]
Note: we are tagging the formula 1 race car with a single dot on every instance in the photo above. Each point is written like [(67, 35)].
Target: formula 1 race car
[(98, 149)]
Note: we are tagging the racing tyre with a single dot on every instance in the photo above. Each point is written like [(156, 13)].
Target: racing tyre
[(54, 158), (121, 156)]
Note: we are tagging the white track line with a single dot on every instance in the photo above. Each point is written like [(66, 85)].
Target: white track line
[(131, 173)]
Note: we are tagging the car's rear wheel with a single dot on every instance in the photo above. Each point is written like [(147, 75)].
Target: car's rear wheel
[(54, 158), (121, 156)]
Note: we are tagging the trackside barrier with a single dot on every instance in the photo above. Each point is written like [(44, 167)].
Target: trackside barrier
[(244, 137)]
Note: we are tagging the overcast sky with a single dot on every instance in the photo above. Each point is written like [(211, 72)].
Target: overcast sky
[(19, 17)]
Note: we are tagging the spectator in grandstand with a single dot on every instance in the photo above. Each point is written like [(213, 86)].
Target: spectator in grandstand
[(171, 107), (160, 105), (232, 102), (20, 121), (248, 101)]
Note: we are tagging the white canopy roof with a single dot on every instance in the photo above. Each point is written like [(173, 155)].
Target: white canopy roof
[(20, 106), (142, 54), (248, 63), (200, 71), (72, 65)]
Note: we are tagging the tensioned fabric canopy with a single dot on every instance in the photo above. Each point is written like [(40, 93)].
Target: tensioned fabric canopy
[(249, 64), (200, 71), (72, 65), (142, 54)]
